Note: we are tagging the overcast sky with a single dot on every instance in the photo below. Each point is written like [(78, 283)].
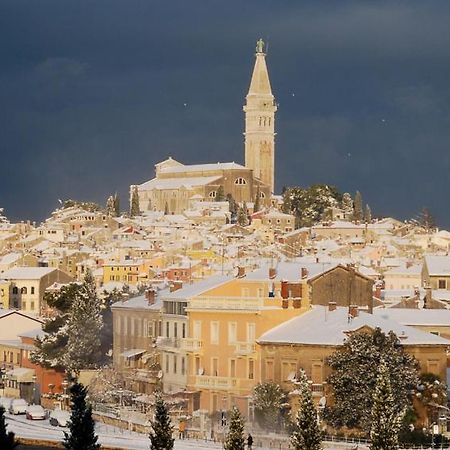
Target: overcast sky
[(93, 94)]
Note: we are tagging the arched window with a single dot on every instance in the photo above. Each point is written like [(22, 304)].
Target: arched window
[(15, 290), (23, 290), (213, 194), (240, 181), (262, 195)]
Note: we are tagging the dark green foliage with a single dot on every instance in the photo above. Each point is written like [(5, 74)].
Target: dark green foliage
[(7, 440), (306, 434), (134, 205), (257, 205), (161, 432), (242, 217), (81, 435), (268, 398), (233, 207), (220, 195), (235, 436), (308, 205), (367, 214), (87, 206), (116, 205), (353, 378), (358, 207), (386, 416)]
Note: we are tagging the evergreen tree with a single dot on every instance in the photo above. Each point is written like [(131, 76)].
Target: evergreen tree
[(161, 432), (257, 205), (367, 214), (242, 218), (116, 205), (268, 398), (235, 436), (309, 204), (353, 379), (81, 435), (166, 209), (84, 326), (232, 206), (386, 417), (306, 434), (347, 204), (134, 207), (426, 220), (110, 205), (7, 440), (358, 207), (220, 195)]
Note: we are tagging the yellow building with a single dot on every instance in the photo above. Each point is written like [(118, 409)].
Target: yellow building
[(224, 363), (127, 271)]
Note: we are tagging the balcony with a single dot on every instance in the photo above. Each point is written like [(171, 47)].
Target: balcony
[(168, 344), (210, 382), (317, 389), (244, 348), (192, 345), (227, 303)]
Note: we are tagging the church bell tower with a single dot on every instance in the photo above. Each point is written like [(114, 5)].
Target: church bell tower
[(260, 111)]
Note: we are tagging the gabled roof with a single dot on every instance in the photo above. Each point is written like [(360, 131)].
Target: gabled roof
[(27, 273), (438, 265), (177, 183), (202, 167)]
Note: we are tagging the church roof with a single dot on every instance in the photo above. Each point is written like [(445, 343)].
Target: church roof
[(201, 167), (260, 83), (176, 183)]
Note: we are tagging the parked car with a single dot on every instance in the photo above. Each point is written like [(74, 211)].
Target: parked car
[(18, 406), (59, 418), (5, 402), (36, 412)]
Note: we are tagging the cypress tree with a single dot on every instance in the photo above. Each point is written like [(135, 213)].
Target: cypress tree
[(81, 435), (110, 205), (134, 207), (306, 434), (116, 202), (161, 432), (358, 207), (220, 195), (257, 205), (386, 419), (7, 441), (368, 214), (235, 435)]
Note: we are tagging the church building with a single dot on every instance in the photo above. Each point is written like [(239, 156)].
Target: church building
[(177, 186)]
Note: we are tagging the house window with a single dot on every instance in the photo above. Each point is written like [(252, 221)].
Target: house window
[(251, 369), (240, 181), (232, 332), (215, 367), (175, 364), (183, 365), (232, 368), (175, 329), (269, 371), (183, 330), (15, 290), (214, 332), (442, 284), (167, 329), (167, 363), (213, 194)]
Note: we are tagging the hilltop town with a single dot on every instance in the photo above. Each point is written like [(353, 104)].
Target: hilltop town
[(210, 285)]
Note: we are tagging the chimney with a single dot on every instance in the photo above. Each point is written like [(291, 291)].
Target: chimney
[(241, 272), (297, 303), (272, 272), (409, 264), (284, 289), (175, 286), (150, 295), (285, 303), (331, 306), (353, 311), (377, 291), (304, 273), (428, 298)]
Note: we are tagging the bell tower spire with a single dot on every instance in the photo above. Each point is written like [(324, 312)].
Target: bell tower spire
[(260, 111)]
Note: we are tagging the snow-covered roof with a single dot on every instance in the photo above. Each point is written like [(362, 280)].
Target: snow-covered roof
[(202, 167), (322, 327), (177, 183), (191, 290), (421, 317), (26, 273), (438, 265), (404, 269)]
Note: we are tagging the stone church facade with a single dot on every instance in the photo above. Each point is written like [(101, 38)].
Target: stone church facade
[(177, 186)]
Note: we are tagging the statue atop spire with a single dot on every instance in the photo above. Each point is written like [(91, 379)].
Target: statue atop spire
[(260, 46)]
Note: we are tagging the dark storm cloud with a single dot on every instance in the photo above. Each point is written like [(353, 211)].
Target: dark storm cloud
[(92, 95)]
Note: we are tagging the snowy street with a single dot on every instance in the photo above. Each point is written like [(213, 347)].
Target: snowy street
[(115, 437)]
